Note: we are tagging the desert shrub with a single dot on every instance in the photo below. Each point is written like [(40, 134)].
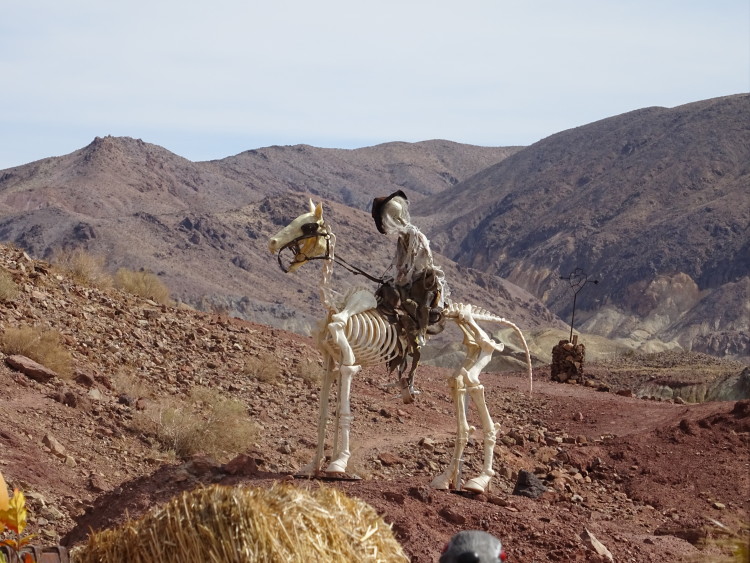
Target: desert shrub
[(124, 382), (264, 367), (84, 268), (42, 346), (207, 422), (8, 287), (142, 284), (311, 372), (735, 546)]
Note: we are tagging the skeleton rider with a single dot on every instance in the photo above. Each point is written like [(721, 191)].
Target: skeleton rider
[(418, 291)]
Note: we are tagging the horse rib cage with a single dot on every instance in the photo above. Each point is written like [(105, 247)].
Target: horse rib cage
[(372, 338)]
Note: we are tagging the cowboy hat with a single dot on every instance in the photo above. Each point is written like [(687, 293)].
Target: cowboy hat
[(377, 208)]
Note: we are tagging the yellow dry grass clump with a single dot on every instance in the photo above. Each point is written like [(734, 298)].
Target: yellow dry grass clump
[(142, 284), (42, 346), (281, 524)]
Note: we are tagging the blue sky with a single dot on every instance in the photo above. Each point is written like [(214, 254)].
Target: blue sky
[(211, 79)]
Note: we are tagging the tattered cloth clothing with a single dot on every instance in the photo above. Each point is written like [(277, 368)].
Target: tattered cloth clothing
[(416, 296)]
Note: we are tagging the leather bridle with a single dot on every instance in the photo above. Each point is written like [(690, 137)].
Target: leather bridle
[(314, 230), (309, 230)]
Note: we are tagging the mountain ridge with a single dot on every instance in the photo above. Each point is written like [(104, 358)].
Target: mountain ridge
[(637, 201)]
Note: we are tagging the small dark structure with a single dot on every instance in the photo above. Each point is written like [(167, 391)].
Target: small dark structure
[(568, 359)]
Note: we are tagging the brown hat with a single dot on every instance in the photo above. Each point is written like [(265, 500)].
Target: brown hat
[(377, 208)]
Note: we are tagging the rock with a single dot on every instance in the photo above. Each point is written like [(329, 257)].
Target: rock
[(427, 444), (528, 485), (389, 459), (84, 379), (55, 447), (393, 496), (30, 368), (96, 483), (452, 516), (241, 465), (689, 534), (578, 417), (423, 494), (592, 543)]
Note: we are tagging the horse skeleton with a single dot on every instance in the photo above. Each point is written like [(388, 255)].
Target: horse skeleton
[(354, 334)]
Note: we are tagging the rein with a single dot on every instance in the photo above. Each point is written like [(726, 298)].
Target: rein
[(356, 270)]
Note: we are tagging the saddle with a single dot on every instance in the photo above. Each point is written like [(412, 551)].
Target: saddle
[(414, 309)]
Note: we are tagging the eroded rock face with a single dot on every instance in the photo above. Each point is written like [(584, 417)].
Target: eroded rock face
[(734, 387)]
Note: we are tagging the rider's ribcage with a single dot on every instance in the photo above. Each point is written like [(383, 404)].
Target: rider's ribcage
[(372, 338)]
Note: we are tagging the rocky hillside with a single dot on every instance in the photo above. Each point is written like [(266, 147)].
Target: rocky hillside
[(638, 476), (203, 227), (653, 204)]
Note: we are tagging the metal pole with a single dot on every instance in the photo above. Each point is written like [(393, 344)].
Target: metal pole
[(573, 318), (578, 280)]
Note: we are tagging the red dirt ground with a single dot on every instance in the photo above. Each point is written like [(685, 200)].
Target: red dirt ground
[(653, 481)]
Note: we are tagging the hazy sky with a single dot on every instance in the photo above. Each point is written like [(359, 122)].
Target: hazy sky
[(211, 79)]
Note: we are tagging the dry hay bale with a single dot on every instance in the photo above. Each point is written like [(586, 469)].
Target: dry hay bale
[(280, 524)]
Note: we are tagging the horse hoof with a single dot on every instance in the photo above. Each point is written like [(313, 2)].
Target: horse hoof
[(336, 467), (478, 484)]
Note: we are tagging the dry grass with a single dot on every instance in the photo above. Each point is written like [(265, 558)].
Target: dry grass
[(142, 284), (8, 287), (311, 372), (207, 423), (42, 346), (264, 368), (219, 523), (126, 383), (83, 268)]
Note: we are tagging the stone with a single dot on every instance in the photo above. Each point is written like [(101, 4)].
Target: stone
[(452, 516), (422, 493), (55, 447), (389, 459), (96, 483), (592, 543), (528, 485), (30, 368), (241, 465), (393, 496)]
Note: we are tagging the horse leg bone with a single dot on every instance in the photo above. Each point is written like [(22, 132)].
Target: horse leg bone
[(325, 393), (341, 453), (481, 482), (450, 475)]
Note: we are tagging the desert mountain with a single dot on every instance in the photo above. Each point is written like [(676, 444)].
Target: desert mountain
[(203, 227), (653, 204)]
